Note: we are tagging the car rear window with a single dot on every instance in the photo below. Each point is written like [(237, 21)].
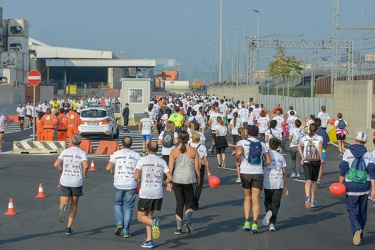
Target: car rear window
[(93, 113)]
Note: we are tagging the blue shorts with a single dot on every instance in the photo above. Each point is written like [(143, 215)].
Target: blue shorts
[(324, 154), (146, 137)]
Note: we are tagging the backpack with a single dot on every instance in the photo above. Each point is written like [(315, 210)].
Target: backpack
[(167, 141), (357, 171), (296, 140), (255, 153), (312, 152), (341, 124)]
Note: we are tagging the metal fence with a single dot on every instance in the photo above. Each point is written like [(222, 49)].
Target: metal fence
[(304, 106)]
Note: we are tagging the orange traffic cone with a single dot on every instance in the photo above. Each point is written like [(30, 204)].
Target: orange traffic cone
[(10, 208), (40, 192), (92, 167)]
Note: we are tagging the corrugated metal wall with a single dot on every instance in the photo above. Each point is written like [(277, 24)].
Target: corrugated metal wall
[(305, 106)]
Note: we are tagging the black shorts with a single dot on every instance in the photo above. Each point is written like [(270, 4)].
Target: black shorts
[(339, 137), (311, 169), (149, 204), (1, 132), (29, 116), (70, 191), (213, 135), (249, 181), (220, 151), (21, 118)]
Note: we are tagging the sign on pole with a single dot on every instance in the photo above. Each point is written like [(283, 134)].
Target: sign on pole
[(34, 77)]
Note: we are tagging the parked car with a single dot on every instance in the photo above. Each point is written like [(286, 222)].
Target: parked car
[(98, 121)]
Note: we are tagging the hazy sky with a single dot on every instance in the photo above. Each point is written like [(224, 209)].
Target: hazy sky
[(180, 29)]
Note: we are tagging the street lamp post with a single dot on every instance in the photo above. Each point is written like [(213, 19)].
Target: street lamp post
[(215, 64), (244, 48), (234, 61), (258, 30), (221, 43), (211, 61), (227, 67)]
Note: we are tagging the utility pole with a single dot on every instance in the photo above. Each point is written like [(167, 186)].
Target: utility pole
[(221, 42), (335, 37)]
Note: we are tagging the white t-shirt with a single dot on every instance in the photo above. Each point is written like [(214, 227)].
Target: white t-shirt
[(164, 118), (272, 133), (164, 150), (201, 120), (21, 112), (273, 172), (153, 169), (202, 138), (202, 150), (147, 124), (72, 174), (279, 120), (125, 161), (263, 124), (246, 167), (243, 114), (315, 140), (235, 128), (213, 118), (297, 134), (221, 130), (251, 118), (223, 109), (324, 117), (257, 112), (291, 119), (2, 122), (28, 109)]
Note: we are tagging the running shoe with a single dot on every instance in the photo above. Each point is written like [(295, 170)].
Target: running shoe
[(357, 237), (68, 231), (298, 176), (246, 226), (254, 228), (293, 175), (212, 150), (118, 230), (319, 183), (189, 229), (127, 235), (62, 214), (272, 227), (223, 165), (340, 154), (307, 203), (233, 152), (267, 217), (148, 244), (155, 228), (238, 180), (313, 203), (178, 231)]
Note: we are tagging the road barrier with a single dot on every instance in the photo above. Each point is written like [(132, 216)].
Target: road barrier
[(12, 118), (85, 146), (107, 147), (38, 147)]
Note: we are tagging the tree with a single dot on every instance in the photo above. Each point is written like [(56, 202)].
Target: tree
[(285, 68)]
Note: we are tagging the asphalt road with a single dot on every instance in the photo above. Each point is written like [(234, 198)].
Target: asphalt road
[(217, 225)]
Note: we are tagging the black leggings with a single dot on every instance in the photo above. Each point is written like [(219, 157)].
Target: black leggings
[(199, 188), (184, 194)]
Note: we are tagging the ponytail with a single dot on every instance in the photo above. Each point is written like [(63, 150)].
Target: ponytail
[(183, 137)]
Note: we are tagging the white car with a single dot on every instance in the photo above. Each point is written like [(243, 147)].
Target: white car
[(98, 121)]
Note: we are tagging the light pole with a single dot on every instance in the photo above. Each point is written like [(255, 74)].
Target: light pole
[(211, 61), (244, 48), (221, 42), (234, 57), (215, 65), (360, 39), (258, 30), (227, 74)]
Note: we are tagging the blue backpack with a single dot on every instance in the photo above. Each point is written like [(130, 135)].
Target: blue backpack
[(255, 153), (357, 171)]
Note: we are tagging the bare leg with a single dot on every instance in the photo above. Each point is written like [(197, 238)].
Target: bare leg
[(247, 203), (146, 218), (255, 196), (73, 210)]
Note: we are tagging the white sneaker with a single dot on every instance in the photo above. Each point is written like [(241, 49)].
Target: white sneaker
[(298, 176), (293, 175), (238, 180), (266, 219), (272, 227)]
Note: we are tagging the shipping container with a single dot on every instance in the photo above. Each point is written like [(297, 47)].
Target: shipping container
[(26, 62), (29, 93), (21, 76), (177, 85), (112, 93), (11, 60), (8, 75), (18, 43), (18, 27), (170, 75), (4, 24)]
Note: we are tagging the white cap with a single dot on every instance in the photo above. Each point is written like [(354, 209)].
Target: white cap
[(361, 136)]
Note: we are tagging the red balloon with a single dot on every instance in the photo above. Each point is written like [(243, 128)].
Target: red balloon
[(138, 188), (337, 189), (213, 181), (332, 122)]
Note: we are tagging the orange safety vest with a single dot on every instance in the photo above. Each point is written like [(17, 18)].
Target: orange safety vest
[(63, 122), (39, 125), (49, 121), (73, 118)]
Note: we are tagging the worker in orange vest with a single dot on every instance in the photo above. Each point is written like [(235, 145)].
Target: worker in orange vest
[(49, 122), (39, 127), (62, 126), (73, 122)]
